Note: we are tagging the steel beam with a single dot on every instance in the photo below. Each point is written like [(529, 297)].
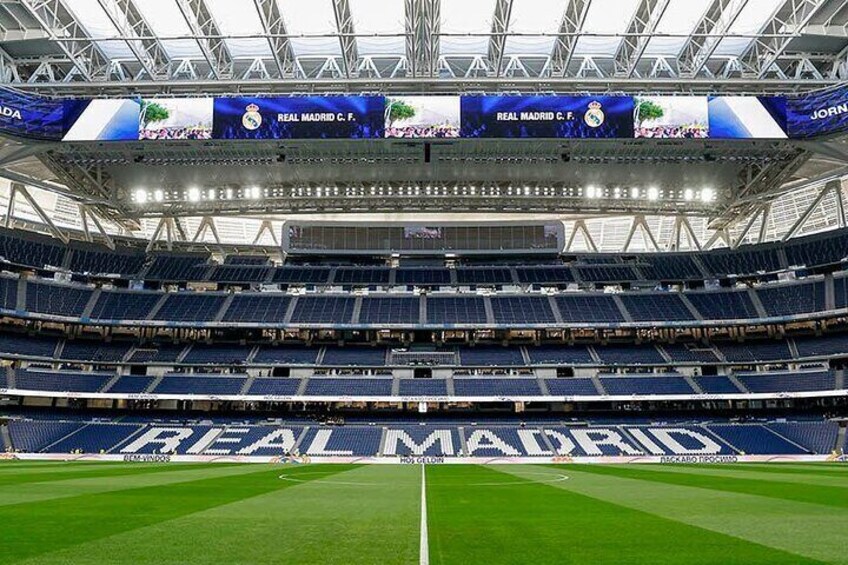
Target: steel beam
[(347, 37), (784, 26), (639, 32), (569, 30), (275, 27), (71, 38), (708, 33), (129, 22), (209, 37), (422, 37), (497, 41)]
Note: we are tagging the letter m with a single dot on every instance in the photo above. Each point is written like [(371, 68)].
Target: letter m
[(394, 437)]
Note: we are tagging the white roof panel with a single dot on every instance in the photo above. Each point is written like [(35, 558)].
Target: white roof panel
[(95, 21), (166, 20), (312, 17), (240, 18), (534, 16), (382, 18), (466, 17), (599, 21)]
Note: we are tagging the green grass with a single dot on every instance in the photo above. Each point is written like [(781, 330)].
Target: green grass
[(186, 514)]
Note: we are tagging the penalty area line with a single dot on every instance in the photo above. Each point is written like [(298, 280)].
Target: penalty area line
[(424, 544)]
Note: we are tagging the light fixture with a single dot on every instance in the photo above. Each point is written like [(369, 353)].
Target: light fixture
[(634, 192), (688, 195), (193, 194), (707, 195), (140, 196), (158, 195), (653, 193)]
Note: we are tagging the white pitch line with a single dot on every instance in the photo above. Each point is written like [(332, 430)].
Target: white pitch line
[(424, 550)]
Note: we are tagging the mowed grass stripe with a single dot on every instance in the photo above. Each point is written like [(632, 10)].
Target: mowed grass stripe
[(44, 475), (35, 492), (814, 494), (740, 472), (41, 527), (483, 515), (367, 514), (809, 530)]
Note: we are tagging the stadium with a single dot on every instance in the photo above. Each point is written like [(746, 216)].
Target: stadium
[(448, 281)]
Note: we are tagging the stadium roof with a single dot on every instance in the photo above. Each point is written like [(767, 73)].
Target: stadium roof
[(418, 45), (98, 48)]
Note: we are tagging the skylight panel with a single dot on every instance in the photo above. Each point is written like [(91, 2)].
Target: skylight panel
[(95, 21), (466, 17), (534, 16), (378, 17), (311, 17), (166, 20), (605, 18), (679, 19), (240, 18), (751, 20)]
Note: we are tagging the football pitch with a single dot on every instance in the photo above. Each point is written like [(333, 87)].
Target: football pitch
[(98, 513)]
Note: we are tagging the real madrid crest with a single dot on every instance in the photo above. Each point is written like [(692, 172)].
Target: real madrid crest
[(594, 116), (252, 119)]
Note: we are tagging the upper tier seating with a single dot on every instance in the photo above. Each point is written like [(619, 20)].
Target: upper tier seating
[(522, 310), (323, 310), (491, 356), (560, 355), (422, 277), (571, 387), (423, 387), (326, 386), (127, 262), (606, 273), (95, 351), (157, 353), (61, 382), (57, 300), (735, 305), (544, 275), (217, 354), (261, 308), (178, 267), (670, 267), (716, 384), (361, 276), (274, 387), (576, 308), (630, 355), (741, 261), (792, 299), (394, 310), (483, 276), (197, 384), (28, 346), (455, 310), (239, 274), (651, 307), (130, 305), (301, 275), (496, 387), (788, 381), (826, 345), (645, 385), (286, 355), (690, 353), (190, 307), (8, 293), (354, 356), (755, 351)]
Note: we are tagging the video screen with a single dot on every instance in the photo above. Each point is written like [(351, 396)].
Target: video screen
[(422, 232), (176, 118), (415, 117), (747, 117), (671, 117), (102, 120)]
